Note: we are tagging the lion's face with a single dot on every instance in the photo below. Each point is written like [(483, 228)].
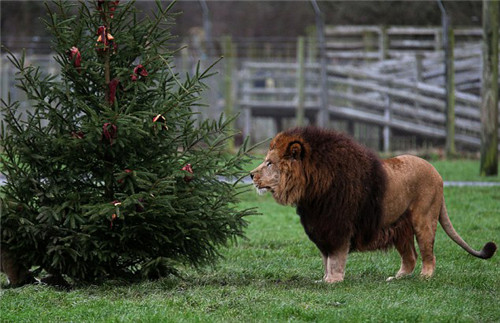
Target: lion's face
[(282, 173), (266, 177)]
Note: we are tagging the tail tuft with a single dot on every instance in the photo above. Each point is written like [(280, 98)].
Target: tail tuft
[(488, 250)]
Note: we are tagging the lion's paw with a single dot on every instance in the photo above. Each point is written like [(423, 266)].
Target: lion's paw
[(334, 279)]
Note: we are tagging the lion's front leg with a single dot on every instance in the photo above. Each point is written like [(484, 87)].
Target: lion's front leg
[(335, 264), (325, 264)]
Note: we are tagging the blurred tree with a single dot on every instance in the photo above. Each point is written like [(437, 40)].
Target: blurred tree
[(489, 90)]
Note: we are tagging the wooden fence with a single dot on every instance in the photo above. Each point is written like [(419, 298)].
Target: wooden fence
[(343, 42), (389, 77), (269, 89), (381, 42)]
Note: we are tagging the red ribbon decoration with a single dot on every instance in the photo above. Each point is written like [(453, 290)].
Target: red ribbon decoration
[(75, 57), (112, 90), (112, 6), (161, 119), (139, 70), (110, 132), (188, 169), (104, 38)]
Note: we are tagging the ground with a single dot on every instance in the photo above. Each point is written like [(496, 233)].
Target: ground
[(270, 276)]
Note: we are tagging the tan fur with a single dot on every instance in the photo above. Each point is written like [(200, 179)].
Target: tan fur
[(414, 186), (17, 274), (412, 203)]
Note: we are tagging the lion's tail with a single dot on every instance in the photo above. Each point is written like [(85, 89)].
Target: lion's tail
[(485, 253)]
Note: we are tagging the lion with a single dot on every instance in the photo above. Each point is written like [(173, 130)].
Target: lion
[(350, 200)]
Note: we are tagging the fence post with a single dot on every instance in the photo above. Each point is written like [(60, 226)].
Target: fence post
[(300, 81), (449, 74), (418, 74), (450, 92), (229, 54), (383, 46), (387, 126), (4, 82), (489, 90), (438, 40), (312, 44), (247, 110), (368, 41), (323, 118)]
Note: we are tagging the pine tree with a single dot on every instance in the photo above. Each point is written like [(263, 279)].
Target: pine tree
[(111, 175)]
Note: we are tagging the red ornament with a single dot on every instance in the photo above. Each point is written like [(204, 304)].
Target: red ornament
[(109, 132), (104, 38), (112, 8), (188, 169), (160, 119), (116, 203), (112, 90), (75, 57), (139, 70), (114, 216), (111, 5)]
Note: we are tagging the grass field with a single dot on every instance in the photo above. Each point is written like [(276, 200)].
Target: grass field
[(270, 277)]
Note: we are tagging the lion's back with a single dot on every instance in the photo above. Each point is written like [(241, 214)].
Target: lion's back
[(413, 169), (409, 179)]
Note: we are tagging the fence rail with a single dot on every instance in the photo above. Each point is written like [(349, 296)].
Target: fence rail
[(389, 77), (270, 90), (381, 42)]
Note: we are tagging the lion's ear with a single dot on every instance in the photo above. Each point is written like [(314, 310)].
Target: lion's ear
[(295, 150)]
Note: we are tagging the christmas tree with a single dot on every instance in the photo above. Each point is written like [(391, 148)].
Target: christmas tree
[(111, 175)]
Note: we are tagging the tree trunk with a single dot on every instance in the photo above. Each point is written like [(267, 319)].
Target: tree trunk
[(489, 90)]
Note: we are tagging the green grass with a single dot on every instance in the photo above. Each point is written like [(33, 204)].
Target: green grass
[(270, 276), (462, 170)]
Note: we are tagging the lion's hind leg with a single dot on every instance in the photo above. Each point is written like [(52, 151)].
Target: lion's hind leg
[(404, 241), (425, 231)]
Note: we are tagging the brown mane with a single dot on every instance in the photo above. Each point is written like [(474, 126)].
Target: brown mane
[(337, 187)]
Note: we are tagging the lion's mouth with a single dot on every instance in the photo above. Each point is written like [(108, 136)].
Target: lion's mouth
[(263, 189)]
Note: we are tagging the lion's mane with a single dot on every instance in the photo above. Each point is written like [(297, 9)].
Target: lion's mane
[(337, 186)]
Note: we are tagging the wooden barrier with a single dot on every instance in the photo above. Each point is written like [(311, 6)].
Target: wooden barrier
[(359, 94), (381, 42)]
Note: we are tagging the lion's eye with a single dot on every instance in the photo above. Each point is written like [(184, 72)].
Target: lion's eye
[(268, 164)]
